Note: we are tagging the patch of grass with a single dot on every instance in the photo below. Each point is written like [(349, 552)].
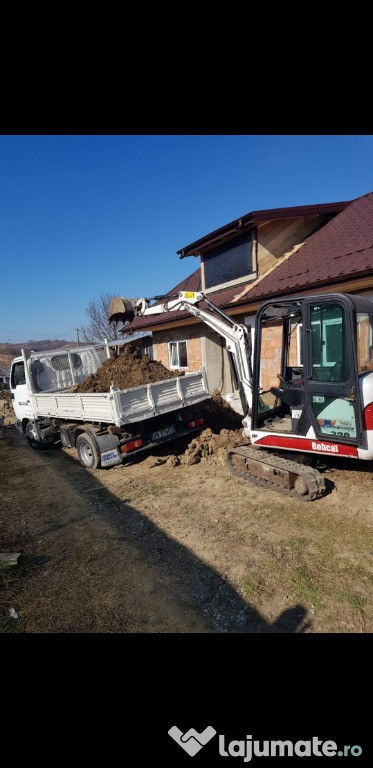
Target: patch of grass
[(296, 544), (304, 587), (358, 572), (155, 490), (10, 586), (255, 587), (355, 601), (6, 624), (325, 548)]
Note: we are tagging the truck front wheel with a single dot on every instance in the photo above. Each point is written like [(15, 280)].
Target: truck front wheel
[(89, 455), (32, 437)]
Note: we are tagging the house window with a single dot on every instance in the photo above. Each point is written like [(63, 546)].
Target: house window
[(228, 263), (148, 350), (178, 354)]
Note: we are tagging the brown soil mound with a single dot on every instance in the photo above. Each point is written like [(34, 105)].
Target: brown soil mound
[(130, 369), (7, 415), (223, 431), (210, 446)]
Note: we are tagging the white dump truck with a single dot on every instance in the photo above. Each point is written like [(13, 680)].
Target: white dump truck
[(105, 427)]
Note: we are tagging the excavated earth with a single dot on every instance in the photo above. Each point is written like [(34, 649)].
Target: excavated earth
[(7, 415), (129, 369), (223, 431)]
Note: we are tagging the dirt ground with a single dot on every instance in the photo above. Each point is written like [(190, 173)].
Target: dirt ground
[(163, 546)]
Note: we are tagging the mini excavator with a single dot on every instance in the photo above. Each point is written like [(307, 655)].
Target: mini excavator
[(308, 392)]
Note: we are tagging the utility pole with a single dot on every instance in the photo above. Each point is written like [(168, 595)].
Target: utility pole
[(77, 336)]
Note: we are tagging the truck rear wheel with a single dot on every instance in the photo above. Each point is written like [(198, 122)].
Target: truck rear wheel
[(89, 455)]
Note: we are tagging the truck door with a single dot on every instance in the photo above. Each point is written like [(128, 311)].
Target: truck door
[(331, 384), (20, 391)]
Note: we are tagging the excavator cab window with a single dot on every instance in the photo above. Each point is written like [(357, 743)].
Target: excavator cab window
[(330, 359), (280, 375)]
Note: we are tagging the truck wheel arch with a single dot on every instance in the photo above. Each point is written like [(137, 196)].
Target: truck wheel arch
[(78, 431)]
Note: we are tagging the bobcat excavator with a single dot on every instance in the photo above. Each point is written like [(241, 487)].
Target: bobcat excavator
[(309, 393)]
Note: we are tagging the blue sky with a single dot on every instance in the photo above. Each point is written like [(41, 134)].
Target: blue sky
[(84, 215)]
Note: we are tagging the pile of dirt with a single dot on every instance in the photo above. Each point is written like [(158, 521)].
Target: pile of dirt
[(223, 431), (213, 447), (207, 447), (7, 415), (129, 369)]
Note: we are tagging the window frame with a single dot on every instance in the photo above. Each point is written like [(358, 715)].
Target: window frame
[(13, 384), (177, 342)]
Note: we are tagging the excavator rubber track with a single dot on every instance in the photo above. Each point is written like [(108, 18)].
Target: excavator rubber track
[(270, 470)]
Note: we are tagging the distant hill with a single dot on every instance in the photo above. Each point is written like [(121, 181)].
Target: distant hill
[(15, 349)]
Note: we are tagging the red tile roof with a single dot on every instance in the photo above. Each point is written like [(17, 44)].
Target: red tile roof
[(342, 249)]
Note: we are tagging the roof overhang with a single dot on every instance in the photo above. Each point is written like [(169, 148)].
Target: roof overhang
[(250, 220)]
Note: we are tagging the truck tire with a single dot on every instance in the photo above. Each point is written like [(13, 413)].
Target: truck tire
[(32, 439), (89, 455)]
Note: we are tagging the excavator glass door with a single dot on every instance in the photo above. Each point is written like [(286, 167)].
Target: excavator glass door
[(305, 369), (331, 384)]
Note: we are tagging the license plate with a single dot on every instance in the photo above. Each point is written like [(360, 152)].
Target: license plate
[(163, 433)]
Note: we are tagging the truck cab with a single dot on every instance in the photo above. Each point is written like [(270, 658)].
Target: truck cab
[(19, 390)]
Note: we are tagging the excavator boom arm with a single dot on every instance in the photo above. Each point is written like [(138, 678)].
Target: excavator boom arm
[(236, 336)]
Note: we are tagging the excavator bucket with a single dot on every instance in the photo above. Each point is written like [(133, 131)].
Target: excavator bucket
[(122, 310)]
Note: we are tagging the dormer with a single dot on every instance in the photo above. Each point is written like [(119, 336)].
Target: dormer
[(248, 247)]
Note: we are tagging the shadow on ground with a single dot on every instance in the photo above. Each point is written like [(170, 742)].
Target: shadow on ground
[(104, 566)]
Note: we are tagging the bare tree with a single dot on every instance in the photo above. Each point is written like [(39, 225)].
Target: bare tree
[(98, 327)]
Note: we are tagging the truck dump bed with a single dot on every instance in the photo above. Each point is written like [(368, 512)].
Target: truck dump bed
[(52, 374), (126, 406)]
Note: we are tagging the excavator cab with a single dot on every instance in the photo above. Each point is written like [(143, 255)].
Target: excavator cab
[(309, 355)]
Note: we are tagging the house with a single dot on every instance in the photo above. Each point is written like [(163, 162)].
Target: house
[(264, 254)]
